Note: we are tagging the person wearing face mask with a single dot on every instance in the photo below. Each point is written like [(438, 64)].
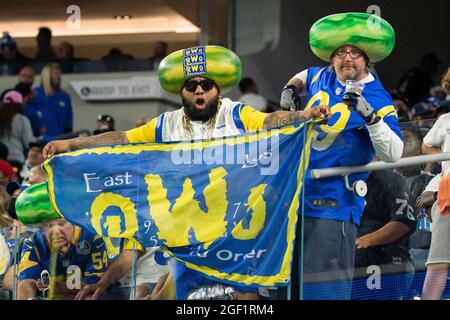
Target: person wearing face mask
[(26, 79), (52, 103)]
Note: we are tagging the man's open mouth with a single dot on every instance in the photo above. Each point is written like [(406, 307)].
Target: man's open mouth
[(200, 102)]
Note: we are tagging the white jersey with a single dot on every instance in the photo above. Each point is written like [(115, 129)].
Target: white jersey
[(233, 118), (171, 124)]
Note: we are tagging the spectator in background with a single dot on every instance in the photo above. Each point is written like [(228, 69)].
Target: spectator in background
[(250, 95), (5, 219), (66, 57), (26, 79), (116, 54), (446, 82), (82, 250), (159, 53), (422, 111), (416, 180), (387, 221), (26, 76), (45, 52), (37, 175), (34, 158), (15, 128), (115, 283), (416, 83), (438, 140), (6, 172), (30, 109), (443, 108), (10, 57), (53, 103), (437, 95), (401, 105), (105, 123)]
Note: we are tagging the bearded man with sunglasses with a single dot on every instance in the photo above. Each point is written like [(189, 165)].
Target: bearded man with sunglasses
[(199, 75), (363, 124)]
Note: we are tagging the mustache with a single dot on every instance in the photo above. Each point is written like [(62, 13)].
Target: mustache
[(347, 64)]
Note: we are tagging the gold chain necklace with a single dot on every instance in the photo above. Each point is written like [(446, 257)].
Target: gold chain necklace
[(210, 123)]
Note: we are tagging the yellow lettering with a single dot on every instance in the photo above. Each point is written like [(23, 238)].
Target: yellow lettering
[(257, 204), (194, 58), (320, 96), (193, 50), (186, 215), (194, 68), (112, 223), (333, 131)]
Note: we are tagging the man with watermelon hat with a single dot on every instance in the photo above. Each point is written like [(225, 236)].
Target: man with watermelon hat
[(199, 75), (363, 124)]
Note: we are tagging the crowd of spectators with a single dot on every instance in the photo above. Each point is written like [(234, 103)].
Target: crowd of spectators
[(391, 234), (12, 60)]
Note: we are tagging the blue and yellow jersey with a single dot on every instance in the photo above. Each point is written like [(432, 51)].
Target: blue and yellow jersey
[(232, 119), (344, 141), (88, 253)]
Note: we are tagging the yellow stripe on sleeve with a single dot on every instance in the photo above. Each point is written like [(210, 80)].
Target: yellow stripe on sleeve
[(252, 119), (145, 133), (387, 111)]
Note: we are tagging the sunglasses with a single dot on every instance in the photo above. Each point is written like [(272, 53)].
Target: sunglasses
[(192, 85)]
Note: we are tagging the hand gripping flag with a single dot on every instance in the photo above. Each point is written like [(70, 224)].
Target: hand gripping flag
[(226, 207)]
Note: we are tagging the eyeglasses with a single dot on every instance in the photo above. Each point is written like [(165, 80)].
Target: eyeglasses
[(192, 85), (354, 54)]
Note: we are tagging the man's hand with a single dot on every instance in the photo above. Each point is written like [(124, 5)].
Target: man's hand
[(364, 110), (319, 112), (281, 118), (40, 286), (55, 147), (426, 199), (97, 289), (289, 98), (363, 242)]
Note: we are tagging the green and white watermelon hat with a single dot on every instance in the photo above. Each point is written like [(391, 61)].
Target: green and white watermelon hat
[(368, 32), (213, 62)]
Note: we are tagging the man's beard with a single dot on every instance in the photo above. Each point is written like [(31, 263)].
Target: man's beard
[(348, 74), (200, 115)]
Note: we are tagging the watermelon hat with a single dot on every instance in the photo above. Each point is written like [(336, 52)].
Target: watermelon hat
[(212, 62), (367, 32), (33, 205)]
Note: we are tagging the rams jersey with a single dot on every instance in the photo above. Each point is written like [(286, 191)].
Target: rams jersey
[(343, 141), (89, 254), (233, 118)]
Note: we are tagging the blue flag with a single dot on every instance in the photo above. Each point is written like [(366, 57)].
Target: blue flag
[(226, 207)]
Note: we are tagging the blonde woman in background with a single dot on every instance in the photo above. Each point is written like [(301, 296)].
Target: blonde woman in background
[(52, 103)]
